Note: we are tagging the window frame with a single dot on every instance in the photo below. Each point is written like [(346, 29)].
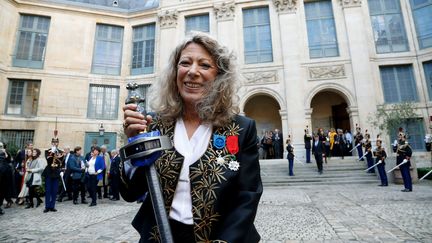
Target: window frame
[(325, 46), (143, 69), (91, 109), (95, 69), (23, 97), (397, 81), (384, 12), (428, 35), (29, 63), (197, 16), (261, 54)]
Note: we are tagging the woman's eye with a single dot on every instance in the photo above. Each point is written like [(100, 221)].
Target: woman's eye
[(205, 66), (184, 63)]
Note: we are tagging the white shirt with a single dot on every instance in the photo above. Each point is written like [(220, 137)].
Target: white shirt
[(66, 159), (91, 168), (192, 150)]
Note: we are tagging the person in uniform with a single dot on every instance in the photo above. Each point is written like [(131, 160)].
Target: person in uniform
[(54, 157), (358, 139), (307, 141), (404, 153), (381, 155), (290, 156), (368, 150)]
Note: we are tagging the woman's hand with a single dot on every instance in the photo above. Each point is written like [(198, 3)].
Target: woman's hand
[(134, 122)]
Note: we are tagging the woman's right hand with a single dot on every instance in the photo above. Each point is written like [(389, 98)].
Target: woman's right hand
[(134, 122)]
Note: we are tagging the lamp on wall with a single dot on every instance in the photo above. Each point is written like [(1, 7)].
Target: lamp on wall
[(101, 130)]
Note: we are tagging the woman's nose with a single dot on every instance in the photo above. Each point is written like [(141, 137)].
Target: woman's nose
[(193, 70)]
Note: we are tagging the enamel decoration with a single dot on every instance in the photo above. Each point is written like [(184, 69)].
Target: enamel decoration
[(219, 141), (233, 165)]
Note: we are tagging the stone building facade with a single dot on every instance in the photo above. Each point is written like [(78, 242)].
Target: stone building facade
[(64, 63)]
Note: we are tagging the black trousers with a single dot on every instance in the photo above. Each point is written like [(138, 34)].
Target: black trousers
[(114, 185), (319, 161), (182, 233), (77, 187), (92, 184)]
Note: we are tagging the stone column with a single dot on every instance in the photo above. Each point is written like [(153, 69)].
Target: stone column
[(292, 76), (360, 60), (225, 13), (167, 23)]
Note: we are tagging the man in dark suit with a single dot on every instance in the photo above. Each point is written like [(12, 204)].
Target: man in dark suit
[(114, 175), (277, 144), (318, 151), (307, 141)]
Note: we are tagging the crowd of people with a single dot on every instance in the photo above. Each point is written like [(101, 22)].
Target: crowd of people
[(58, 175), (332, 143)]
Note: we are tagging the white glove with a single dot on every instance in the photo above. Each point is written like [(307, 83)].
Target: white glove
[(379, 161), (404, 161), (61, 174)]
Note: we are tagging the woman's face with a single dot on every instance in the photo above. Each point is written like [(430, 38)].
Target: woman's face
[(34, 153), (195, 71), (29, 152)]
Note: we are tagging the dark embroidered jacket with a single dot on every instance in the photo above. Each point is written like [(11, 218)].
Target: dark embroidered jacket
[(224, 201)]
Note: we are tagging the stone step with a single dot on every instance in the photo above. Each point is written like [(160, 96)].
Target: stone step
[(336, 171)]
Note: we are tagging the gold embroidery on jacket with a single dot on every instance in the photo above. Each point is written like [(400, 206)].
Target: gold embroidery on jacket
[(206, 176)]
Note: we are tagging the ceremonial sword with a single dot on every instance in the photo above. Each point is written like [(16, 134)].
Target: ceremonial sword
[(426, 175), (403, 162), (379, 162), (140, 148), (355, 147)]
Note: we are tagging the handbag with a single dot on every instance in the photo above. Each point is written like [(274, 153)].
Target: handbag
[(29, 181)]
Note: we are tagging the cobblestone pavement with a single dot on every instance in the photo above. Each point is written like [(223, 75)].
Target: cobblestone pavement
[(337, 213)]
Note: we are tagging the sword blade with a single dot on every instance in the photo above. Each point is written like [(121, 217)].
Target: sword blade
[(373, 166), (426, 175), (156, 197), (394, 168)]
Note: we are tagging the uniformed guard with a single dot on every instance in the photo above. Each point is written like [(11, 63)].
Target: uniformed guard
[(359, 142), (368, 152), (307, 141), (404, 153), (290, 156), (380, 156), (54, 157)]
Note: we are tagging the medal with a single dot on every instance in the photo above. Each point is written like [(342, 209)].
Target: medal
[(232, 144), (220, 160), (233, 165), (219, 141)]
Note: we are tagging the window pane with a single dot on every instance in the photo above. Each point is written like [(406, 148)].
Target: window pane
[(197, 23), (422, 13), (108, 50), (31, 43), (23, 97), (427, 66), (143, 49), (398, 84), (257, 35), (415, 132), (321, 29), (388, 26), (103, 102), (17, 138)]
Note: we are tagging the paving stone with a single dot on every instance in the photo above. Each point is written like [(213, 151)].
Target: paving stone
[(297, 214)]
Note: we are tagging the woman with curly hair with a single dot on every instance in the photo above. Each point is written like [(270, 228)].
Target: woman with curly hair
[(211, 177)]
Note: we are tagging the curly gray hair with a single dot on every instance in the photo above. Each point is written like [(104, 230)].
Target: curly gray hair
[(219, 103)]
